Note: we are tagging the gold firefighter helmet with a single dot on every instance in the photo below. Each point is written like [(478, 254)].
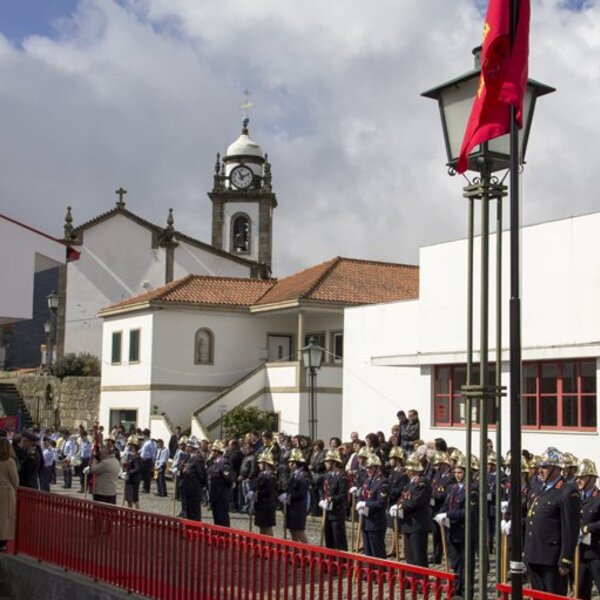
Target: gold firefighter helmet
[(334, 456), (374, 460), (552, 457), (296, 456), (492, 458), (413, 463), (474, 463), (570, 460), (456, 454), (132, 439), (363, 452), (218, 446), (266, 457), (461, 463), (440, 458), (587, 467), (397, 452)]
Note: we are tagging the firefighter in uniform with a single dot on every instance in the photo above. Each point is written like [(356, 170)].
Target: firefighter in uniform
[(452, 517), (294, 498), (414, 512), (570, 466), (589, 545), (441, 483), (221, 477), (552, 528), (372, 506), (335, 502), (263, 494)]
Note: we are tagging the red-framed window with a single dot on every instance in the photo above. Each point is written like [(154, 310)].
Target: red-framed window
[(560, 395), (449, 408)]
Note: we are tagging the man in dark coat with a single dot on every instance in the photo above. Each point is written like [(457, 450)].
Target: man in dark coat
[(30, 457), (221, 479), (589, 545), (372, 508), (263, 495), (295, 498), (193, 480), (552, 528), (414, 512), (441, 483), (335, 502)]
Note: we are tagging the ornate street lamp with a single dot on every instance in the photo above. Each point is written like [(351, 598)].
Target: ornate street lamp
[(312, 357), (455, 100)]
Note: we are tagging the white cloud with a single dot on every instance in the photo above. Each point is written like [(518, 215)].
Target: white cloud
[(143, 93)]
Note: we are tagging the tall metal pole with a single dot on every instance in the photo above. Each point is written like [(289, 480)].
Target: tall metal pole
[(517, 567), (313, 429), (469, 403), (498, 503), (484, 383)]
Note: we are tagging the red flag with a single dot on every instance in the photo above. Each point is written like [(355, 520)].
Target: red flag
[(503, 77)]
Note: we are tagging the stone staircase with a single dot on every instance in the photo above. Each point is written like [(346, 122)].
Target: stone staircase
[(11, 403)]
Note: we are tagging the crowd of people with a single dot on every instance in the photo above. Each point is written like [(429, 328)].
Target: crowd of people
[(359, 489)]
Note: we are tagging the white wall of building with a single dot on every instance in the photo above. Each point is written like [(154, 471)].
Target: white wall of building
[(192, 259), (390, 349), (25, 253)]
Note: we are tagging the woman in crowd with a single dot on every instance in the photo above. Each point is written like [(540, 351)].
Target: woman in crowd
[(9, 482)]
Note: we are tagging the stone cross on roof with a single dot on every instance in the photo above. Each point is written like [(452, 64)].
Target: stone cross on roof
[(120, 202)]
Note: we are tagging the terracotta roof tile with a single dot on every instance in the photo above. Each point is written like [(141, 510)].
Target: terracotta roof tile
[(340, 280), (348, 281)]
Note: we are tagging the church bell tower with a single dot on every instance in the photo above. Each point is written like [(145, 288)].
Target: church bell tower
[(243, 202)]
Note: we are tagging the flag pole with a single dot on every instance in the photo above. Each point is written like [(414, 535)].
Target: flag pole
[(517, 567)]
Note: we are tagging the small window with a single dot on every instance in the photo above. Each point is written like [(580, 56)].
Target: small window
[(115, 355), (204, 347), (337, 346), (134, 345), (240, 234)]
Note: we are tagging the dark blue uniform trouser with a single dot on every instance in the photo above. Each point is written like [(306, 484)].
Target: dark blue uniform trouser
[(589, 573), (457, 550), (335, 535), (547, 579), (220, 512), (374, 543), (415, 548), (193, 510)]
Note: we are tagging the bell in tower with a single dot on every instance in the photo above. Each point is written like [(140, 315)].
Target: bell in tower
[(243, 201)]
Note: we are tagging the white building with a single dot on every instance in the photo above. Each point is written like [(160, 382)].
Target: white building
[(412, 354), (123, 255), (190, 351)]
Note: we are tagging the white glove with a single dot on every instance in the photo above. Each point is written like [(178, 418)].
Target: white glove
[(504, 506), (283, 498), (86, 471), (175, 471), (446, 523), (250, 496), (360, 507), (328, 505), (440, 518), (505, 527), (585, 538), (394, 511), (353, 490), (323, 504)]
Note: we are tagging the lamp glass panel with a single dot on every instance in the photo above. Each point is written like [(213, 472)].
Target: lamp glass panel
[(316, 356)]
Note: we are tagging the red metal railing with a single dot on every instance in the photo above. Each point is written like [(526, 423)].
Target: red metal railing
[(174, 559), (505, 590)]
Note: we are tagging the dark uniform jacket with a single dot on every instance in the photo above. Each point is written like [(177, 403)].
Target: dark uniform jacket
[(221, 477), (441, 484), (376, 494), (194, 477), (552, 528), (265, 499), (297, 490), (335, 490), (31, 463), (133, 468), (416, 504), (590, 523), (398, 481), (455, 507)]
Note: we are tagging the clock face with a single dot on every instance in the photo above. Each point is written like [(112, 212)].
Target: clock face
[(241, 177)]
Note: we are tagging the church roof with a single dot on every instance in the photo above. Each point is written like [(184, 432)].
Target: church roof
[(348, 281), (339, 281), (157, 230)]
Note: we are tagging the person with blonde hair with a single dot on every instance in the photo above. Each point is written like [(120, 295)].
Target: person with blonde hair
[(9, 482)]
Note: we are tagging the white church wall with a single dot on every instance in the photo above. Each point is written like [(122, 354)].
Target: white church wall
[(131, 400), (191, 259), (117, 261)]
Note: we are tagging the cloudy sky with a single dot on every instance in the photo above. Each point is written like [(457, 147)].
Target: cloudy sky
[(97, 94)]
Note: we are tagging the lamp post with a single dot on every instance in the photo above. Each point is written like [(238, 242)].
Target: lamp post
[(312, 357), (455, 100), (53, 300)]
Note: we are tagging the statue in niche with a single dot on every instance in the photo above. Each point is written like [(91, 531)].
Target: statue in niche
[(203, 347)]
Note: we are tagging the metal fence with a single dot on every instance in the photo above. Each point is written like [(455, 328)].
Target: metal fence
[(505, 590), (174, 559)]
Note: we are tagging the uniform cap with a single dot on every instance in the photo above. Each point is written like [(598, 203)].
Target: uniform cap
[(587, 467), (334, 456), (397, 452)]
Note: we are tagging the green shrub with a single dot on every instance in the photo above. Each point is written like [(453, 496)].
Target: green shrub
[(76, 365), (241, 420)]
